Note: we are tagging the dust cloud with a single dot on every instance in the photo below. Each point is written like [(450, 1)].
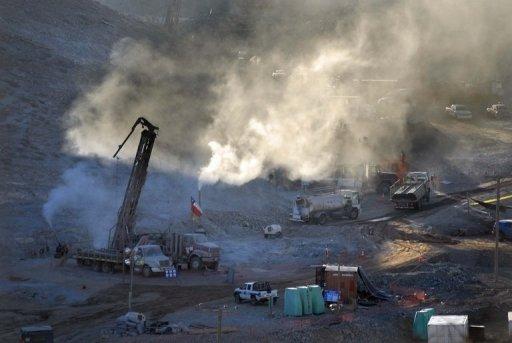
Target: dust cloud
[(296, 87), (250, 122)]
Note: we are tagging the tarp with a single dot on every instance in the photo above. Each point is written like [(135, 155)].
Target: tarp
[(420, 324), (377, 293)]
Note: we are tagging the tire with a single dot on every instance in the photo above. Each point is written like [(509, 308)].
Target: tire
[(322, 219), (254, 302), (419, 205), (97, 266), (266, 236), (274, 301), (215, 266), (107, 268), (196, 263), (354, 213), (384, 188), (79, 261), (238, 300), (146, 271), (279, 235), (427, 196)]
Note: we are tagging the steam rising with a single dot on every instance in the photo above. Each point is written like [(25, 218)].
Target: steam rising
[(224, 117)]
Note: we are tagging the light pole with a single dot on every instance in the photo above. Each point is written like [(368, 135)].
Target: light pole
[(497, 230), (130, 292)]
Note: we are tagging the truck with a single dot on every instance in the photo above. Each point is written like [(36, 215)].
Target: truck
[(379, 181), (412, 191), (191, 251), (498, 110), (459, 111), (319, 208), (148, 260), (256, 292)]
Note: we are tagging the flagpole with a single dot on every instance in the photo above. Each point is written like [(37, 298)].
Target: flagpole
[(200, 205)]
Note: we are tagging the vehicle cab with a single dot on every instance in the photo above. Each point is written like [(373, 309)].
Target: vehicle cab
[(149, 259)]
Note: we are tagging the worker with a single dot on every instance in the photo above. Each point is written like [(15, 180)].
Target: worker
[(58, 251), (64, 256)]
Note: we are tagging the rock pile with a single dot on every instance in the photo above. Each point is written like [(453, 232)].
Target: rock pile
[(130, 324)]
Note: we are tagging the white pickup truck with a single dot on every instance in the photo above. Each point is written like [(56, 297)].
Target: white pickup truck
[(459, 112), (255, 292)]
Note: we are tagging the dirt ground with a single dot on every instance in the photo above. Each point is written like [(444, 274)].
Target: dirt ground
[(404, 254), (441, 257)]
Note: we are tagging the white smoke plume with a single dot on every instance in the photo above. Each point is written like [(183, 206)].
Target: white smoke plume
[(224, 117)]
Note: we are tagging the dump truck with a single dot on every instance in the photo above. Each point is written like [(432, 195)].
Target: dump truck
[(319, 208), (191, 251), (411, 192)]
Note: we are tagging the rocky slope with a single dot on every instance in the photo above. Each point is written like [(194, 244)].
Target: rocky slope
[(49, 51)]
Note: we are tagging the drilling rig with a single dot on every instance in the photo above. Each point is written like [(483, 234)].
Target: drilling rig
[(113, 257), (123, 231)]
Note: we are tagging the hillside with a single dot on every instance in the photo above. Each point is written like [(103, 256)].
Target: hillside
[(49, 50)]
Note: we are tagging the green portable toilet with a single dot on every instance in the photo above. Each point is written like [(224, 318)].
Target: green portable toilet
[(305, 299), (292, 303), (317, 300), (420, 324)]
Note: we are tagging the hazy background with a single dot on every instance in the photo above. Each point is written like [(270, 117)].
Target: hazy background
[(222, 114)]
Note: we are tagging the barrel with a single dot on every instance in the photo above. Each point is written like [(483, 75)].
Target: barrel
[(292, 302), (305, 299), (317, 300)]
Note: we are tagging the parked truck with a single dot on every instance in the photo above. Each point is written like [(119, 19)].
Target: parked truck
[(411, 192), (148, 260), (498, 110), (379, 181), (255, 292), (459, 111), (191, 251), (319, 208)]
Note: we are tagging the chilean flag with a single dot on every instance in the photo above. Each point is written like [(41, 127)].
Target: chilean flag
[(194, 207)]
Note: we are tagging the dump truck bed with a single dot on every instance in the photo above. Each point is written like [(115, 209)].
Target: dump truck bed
[(408, 191)]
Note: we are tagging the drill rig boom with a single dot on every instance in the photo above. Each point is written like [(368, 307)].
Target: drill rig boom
[(126, 215)]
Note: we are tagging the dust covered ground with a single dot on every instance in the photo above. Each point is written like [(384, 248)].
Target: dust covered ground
[(441, 257)]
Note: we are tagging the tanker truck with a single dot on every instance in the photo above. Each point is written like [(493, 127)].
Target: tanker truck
[(320, 208)]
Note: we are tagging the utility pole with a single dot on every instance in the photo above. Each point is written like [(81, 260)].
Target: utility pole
[(219, 324), (497, 229), (130, 292)]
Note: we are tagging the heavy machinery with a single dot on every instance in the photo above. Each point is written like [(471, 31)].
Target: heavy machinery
[(126, 216), (114, 256), (187, 251), (412, 191), (319, 208)]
